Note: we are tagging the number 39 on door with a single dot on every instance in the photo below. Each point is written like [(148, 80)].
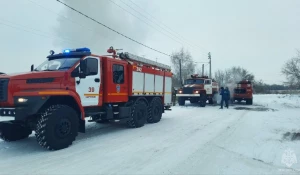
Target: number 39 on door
[(91, 89)]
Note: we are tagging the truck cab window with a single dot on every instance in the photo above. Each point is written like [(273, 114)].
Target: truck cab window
[(194, 81), (92, 66), (207, 81), (60, 64), (118, 74)]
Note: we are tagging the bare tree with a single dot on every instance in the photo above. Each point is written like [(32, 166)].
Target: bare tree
[(291, 69), (220, 77), (232, 76), (187, 64)]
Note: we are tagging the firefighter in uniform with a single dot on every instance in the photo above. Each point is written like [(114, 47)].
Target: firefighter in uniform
[(227, 96)]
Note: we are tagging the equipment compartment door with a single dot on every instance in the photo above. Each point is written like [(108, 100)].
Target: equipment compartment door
[(208, 86), (89, 88)]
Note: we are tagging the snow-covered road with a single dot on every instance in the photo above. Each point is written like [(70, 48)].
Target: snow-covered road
[(188, 140)]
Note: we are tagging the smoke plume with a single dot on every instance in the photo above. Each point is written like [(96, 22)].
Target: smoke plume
[(79, 31)]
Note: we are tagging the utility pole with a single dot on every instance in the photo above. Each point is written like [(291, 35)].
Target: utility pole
[(180, 72), (202, 69), (209, 57)]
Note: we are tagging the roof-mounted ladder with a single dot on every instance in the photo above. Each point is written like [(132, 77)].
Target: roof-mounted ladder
[(132, 57)]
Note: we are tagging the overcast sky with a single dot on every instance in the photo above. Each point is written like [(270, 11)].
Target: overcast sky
[(259, 35)]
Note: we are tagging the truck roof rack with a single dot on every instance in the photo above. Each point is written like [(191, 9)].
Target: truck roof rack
[(132, 57)]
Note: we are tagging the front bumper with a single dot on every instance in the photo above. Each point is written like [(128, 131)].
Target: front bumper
[(187, 95), (8, 112), (22, 110), (242, 97)]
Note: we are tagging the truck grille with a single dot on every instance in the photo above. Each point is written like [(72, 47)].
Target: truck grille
[(188, 90), (240, 91), (3, 89)]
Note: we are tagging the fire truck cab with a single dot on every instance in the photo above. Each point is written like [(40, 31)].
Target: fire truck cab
[(243, 91), (198, 89), (55, 98)]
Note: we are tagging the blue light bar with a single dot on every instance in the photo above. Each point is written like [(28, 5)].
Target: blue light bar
[(84, 49), (67, 51)]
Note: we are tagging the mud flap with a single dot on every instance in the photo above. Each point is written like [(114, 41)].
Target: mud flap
[(11, 131)]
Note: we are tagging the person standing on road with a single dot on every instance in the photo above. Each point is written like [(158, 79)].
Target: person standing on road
[(227, 96), (222, 97)]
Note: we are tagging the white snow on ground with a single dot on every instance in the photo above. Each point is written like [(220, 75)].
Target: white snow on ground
[(188, 140)]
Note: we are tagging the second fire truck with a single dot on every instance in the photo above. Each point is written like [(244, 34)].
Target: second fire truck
[(198, 89)]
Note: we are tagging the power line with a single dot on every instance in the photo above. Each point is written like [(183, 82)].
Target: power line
[(152, 22), (143, 21), (33, 29), (111, 28), (163, 23), (30, 31)]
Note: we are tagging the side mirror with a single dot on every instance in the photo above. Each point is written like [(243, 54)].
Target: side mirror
[(83, 69), (32, 67)]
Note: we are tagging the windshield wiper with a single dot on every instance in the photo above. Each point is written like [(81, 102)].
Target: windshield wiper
[(48, 70), (64, 68)]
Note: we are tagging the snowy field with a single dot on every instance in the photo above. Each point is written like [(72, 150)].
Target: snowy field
[(258, 139)]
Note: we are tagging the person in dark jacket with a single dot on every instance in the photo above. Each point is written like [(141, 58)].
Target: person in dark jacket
[(222, 95), (227, 96)]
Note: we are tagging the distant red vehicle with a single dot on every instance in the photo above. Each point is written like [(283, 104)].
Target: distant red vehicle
[(243, 91)]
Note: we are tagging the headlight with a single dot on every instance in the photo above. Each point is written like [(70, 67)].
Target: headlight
[(180, 91), (196, 92), (22, 100)]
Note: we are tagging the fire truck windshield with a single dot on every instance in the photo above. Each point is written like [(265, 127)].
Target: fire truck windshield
[(194, 81), (57, 64)]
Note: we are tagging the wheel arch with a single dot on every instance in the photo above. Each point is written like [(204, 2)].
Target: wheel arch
[(146, 100), (70, 101)]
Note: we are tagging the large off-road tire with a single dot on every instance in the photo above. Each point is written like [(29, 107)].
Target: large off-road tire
[(155, 110), (13, 131), (181, 101), (139, 114), (202, 101), (57, 127)]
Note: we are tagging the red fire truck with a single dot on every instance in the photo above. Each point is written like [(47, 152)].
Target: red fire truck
[(243, 91), (55, 98), (198, 89)]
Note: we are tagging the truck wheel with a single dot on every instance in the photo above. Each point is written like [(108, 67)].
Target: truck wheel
[(203, 100), (181, 101), (57, 127), (139, 114), (155, 110), (13, 131)]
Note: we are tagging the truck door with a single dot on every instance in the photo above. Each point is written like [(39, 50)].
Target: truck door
[(89, 88), (117, 82), (208, 86)]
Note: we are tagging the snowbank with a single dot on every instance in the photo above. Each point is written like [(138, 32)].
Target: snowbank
[(278, 101)]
